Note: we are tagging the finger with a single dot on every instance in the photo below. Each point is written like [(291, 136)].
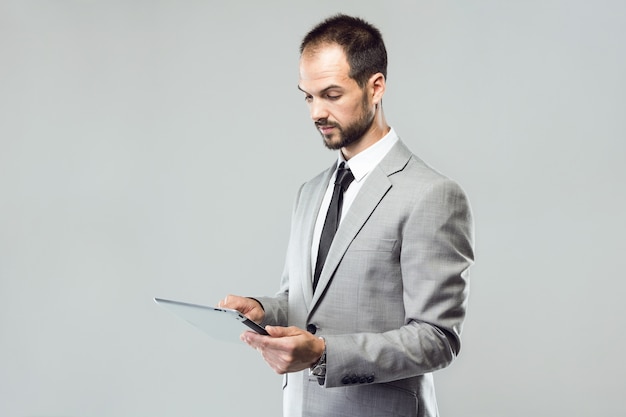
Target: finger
[(231, 301), (222, 303), (252, 339)]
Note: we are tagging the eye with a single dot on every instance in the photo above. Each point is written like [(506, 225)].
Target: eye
[(308, 98), (333, 97)]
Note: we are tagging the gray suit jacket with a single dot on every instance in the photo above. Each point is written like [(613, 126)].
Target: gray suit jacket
[(391, 298)]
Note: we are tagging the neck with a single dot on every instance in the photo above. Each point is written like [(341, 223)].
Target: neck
[(376, 132)]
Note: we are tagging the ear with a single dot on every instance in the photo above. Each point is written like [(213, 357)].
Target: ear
[(377, 87)]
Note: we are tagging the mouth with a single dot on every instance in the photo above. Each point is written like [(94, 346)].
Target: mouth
[(325, 130)]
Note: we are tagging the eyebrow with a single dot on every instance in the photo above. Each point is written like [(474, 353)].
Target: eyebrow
[(330, 87)]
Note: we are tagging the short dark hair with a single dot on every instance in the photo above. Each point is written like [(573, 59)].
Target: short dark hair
[(361, 42)]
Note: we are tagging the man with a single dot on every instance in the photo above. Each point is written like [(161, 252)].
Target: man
[(370, 317)]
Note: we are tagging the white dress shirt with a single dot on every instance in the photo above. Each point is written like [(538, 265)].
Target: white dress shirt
[(361, 165)]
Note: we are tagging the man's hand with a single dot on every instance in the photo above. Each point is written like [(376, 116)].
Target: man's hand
[(286, 349), (246, 306)]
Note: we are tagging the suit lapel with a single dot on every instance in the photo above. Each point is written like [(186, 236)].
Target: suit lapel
[(311, 208), (373, 191)]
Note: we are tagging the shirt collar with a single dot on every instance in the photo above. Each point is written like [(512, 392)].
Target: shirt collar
[(362, 163)]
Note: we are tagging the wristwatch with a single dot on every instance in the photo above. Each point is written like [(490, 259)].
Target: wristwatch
[(319, 368)]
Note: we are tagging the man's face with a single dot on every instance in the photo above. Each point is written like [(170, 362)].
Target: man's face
[(341, 110)]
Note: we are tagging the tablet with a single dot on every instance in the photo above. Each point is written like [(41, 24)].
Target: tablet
[(219, 323)]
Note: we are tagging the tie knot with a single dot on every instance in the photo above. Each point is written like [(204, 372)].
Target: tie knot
[(344, 177)]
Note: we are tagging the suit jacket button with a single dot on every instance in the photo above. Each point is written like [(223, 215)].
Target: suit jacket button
[(370, 379), (311, 328), (354, 379), (346, 380)]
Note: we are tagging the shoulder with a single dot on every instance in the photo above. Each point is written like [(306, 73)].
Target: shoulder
[(320, 180), (314, 188), (403, 167), (417, 182)]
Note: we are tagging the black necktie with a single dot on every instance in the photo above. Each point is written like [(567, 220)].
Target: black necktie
[(342, 182)]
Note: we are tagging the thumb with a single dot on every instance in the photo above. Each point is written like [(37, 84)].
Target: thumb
[(279, 331)]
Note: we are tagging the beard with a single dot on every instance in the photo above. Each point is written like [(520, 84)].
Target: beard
[(351, 133)]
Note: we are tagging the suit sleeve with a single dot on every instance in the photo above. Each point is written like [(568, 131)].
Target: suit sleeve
[(435, 256), (277, 307)]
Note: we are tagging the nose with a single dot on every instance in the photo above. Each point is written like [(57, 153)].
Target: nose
[(317, 110)]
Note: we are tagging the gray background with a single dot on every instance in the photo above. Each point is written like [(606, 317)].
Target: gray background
[(154, 148)]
